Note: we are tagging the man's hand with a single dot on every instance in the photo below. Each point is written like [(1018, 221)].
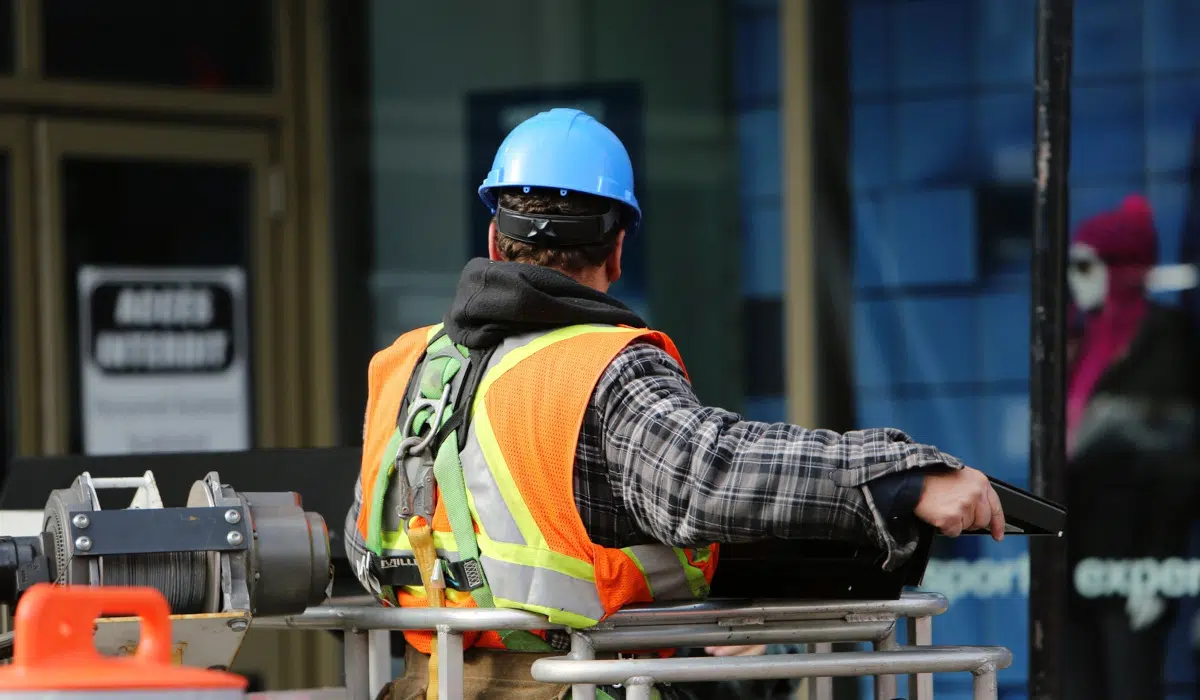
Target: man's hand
[(961, 500), (752, 650)]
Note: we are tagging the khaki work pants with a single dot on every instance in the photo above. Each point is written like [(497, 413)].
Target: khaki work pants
[(488, 674)]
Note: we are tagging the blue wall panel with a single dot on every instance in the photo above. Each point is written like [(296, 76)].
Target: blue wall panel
[(1171, 106), (933, 141), (871, 145), (756, 99), (1172, 27), (933, 241), (1110, 115), (941, 340), (924, 53)]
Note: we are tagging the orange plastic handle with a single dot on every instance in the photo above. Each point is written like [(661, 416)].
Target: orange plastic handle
[(54, 622)]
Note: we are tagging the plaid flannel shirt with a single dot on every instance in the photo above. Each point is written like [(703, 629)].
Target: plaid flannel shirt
[(655, 465)]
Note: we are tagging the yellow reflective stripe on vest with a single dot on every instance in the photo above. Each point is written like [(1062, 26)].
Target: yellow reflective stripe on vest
[(563, 598), (396, 544)]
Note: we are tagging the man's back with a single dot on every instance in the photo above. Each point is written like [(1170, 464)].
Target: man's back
[(648, 465)]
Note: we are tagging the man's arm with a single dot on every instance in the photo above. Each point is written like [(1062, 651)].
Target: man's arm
[(691, 474)]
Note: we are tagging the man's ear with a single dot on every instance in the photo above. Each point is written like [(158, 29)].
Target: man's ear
[(612, 266), (493, 248)]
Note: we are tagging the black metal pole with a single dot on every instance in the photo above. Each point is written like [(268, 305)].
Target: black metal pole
[(1047, 373)]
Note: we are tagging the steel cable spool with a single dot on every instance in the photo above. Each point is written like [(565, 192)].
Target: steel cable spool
[(182, 577), (225, 555)]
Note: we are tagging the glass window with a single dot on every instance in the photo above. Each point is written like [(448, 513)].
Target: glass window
[(434, 133), (138, 213), (198, 44), (941, 97)]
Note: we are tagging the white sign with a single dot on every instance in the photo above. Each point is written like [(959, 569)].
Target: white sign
[(978, 578), (1137, 578), (164, 360)]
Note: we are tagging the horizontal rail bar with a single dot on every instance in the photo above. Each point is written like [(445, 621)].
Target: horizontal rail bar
[(357, 614), (804, 632), (840, 664), (908, 605), (379, 618)]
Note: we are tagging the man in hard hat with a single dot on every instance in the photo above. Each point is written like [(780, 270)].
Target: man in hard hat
[(542, 450)]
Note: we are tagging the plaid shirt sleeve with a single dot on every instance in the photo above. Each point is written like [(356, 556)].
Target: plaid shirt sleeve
[(690, 474)]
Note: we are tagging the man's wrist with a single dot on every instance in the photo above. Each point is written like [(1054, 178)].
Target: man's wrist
[(896, 495)]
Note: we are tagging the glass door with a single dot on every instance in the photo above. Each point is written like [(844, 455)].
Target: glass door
[(17, 396), (170, 313), (159, 282)]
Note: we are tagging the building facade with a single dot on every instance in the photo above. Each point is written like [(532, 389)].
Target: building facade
[(837, 202)]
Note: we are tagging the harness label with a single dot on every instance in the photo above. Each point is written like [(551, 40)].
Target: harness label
[(474, 574)]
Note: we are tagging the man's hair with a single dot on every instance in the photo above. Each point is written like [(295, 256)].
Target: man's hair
[(541, 201)]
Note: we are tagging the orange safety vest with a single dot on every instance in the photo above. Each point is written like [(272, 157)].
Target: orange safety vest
[(517, 464)]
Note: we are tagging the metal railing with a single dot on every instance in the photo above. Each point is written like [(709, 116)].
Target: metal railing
[(819, 624)]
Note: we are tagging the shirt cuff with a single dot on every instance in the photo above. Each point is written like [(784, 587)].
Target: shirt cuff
[(896, 495)]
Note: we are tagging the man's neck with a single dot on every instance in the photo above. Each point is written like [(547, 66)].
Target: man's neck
[(593, 277)]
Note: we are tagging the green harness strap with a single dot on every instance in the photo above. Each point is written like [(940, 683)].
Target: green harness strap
[(448, 473)]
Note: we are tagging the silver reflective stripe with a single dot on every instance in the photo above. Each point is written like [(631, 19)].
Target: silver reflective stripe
[(494, 516), (664, 572), (493, 512), (542, 587)]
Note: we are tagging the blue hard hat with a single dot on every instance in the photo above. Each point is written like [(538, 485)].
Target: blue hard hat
[(564, 149)]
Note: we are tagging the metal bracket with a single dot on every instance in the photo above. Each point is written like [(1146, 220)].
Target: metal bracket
[(154, 530)]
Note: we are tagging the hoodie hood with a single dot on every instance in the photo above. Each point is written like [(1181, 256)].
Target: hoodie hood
[(495, 300)]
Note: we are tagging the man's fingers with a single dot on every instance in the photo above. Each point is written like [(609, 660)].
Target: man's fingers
[(997, 514), (983, 513)]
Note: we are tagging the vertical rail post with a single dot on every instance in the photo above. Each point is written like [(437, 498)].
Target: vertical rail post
[(885, 685), (582, 649), (450, 663), (357, 656), (985, 686), (1047, 377), (822, 686), (379, 654), (920, 633)]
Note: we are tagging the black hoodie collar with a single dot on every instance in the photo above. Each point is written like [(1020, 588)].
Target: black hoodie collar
[(496, 300)]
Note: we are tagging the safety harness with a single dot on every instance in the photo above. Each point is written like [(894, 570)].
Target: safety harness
[(436, 411)]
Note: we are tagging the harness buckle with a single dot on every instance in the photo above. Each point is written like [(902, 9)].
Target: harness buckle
[(414, 444)]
